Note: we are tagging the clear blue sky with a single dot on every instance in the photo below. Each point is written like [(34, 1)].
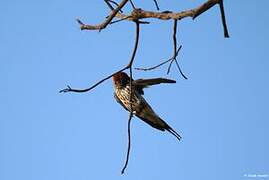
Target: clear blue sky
[(221, 110)]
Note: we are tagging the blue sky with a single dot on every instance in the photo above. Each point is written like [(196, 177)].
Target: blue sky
[(221, 110)]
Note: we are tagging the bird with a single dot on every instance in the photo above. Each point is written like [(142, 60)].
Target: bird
[(139, 106)]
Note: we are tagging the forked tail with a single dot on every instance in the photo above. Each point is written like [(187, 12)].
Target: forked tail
[(172, 131)]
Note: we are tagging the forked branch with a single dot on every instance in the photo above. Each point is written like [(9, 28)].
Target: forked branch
[(173, 58), (107, 20), (138, 14)]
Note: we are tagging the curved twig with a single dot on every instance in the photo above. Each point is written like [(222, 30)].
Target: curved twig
[(129, 143), (173, 58), (131, 94), (69, 89)]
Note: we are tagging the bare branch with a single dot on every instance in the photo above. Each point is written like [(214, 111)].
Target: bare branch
[(204, 7), (69, 89), (110, 6), (173, 58), (106, 22), (175, 46), (159, 65), (167, 15), (137, 25), (130, 65), (142, 14), (119, 20), (226, 33), (132, 4), (154, 67), (156, 4), (129, 143), (180, 71)]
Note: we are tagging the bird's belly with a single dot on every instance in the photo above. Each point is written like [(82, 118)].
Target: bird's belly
[(135, 103)]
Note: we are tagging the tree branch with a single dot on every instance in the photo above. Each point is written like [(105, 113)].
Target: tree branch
[(69, 89), (225, 29), (129, 143), (106, 22), (173, 58), (156, 4), (110, 6), (131, 94), (129, 65), (193, 13)]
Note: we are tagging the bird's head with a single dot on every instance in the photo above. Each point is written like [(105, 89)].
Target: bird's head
[(120, 79)]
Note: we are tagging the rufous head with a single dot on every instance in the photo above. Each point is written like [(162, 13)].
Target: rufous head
[(120, 79)]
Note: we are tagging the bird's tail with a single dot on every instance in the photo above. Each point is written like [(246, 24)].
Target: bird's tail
[(149, 116), (172, 131)]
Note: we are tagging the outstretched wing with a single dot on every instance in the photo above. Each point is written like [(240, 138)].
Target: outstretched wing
[(140, 84)]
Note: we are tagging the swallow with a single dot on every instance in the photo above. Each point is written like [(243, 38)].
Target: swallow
[(138, 105)]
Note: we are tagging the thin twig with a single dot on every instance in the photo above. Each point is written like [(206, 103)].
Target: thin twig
[(137, 24), (156, 4), (174, 45), (132, 4), (119, 20), (225, 29), (107, 20), (69, 89), (162, 63), (110, 6), (129, 123), (131, 95), (180, 71), (167, 15), (154, 67), (173, 58), (129, 143)]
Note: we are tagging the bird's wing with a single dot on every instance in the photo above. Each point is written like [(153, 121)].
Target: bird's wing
[(149, 82), (119, 101), (140, 84)]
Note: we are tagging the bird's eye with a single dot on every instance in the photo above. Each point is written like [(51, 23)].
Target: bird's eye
[(123, 81)]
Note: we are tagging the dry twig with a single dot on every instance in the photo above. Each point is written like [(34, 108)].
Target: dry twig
[(173, 58), (138, 14), (156, 4)]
